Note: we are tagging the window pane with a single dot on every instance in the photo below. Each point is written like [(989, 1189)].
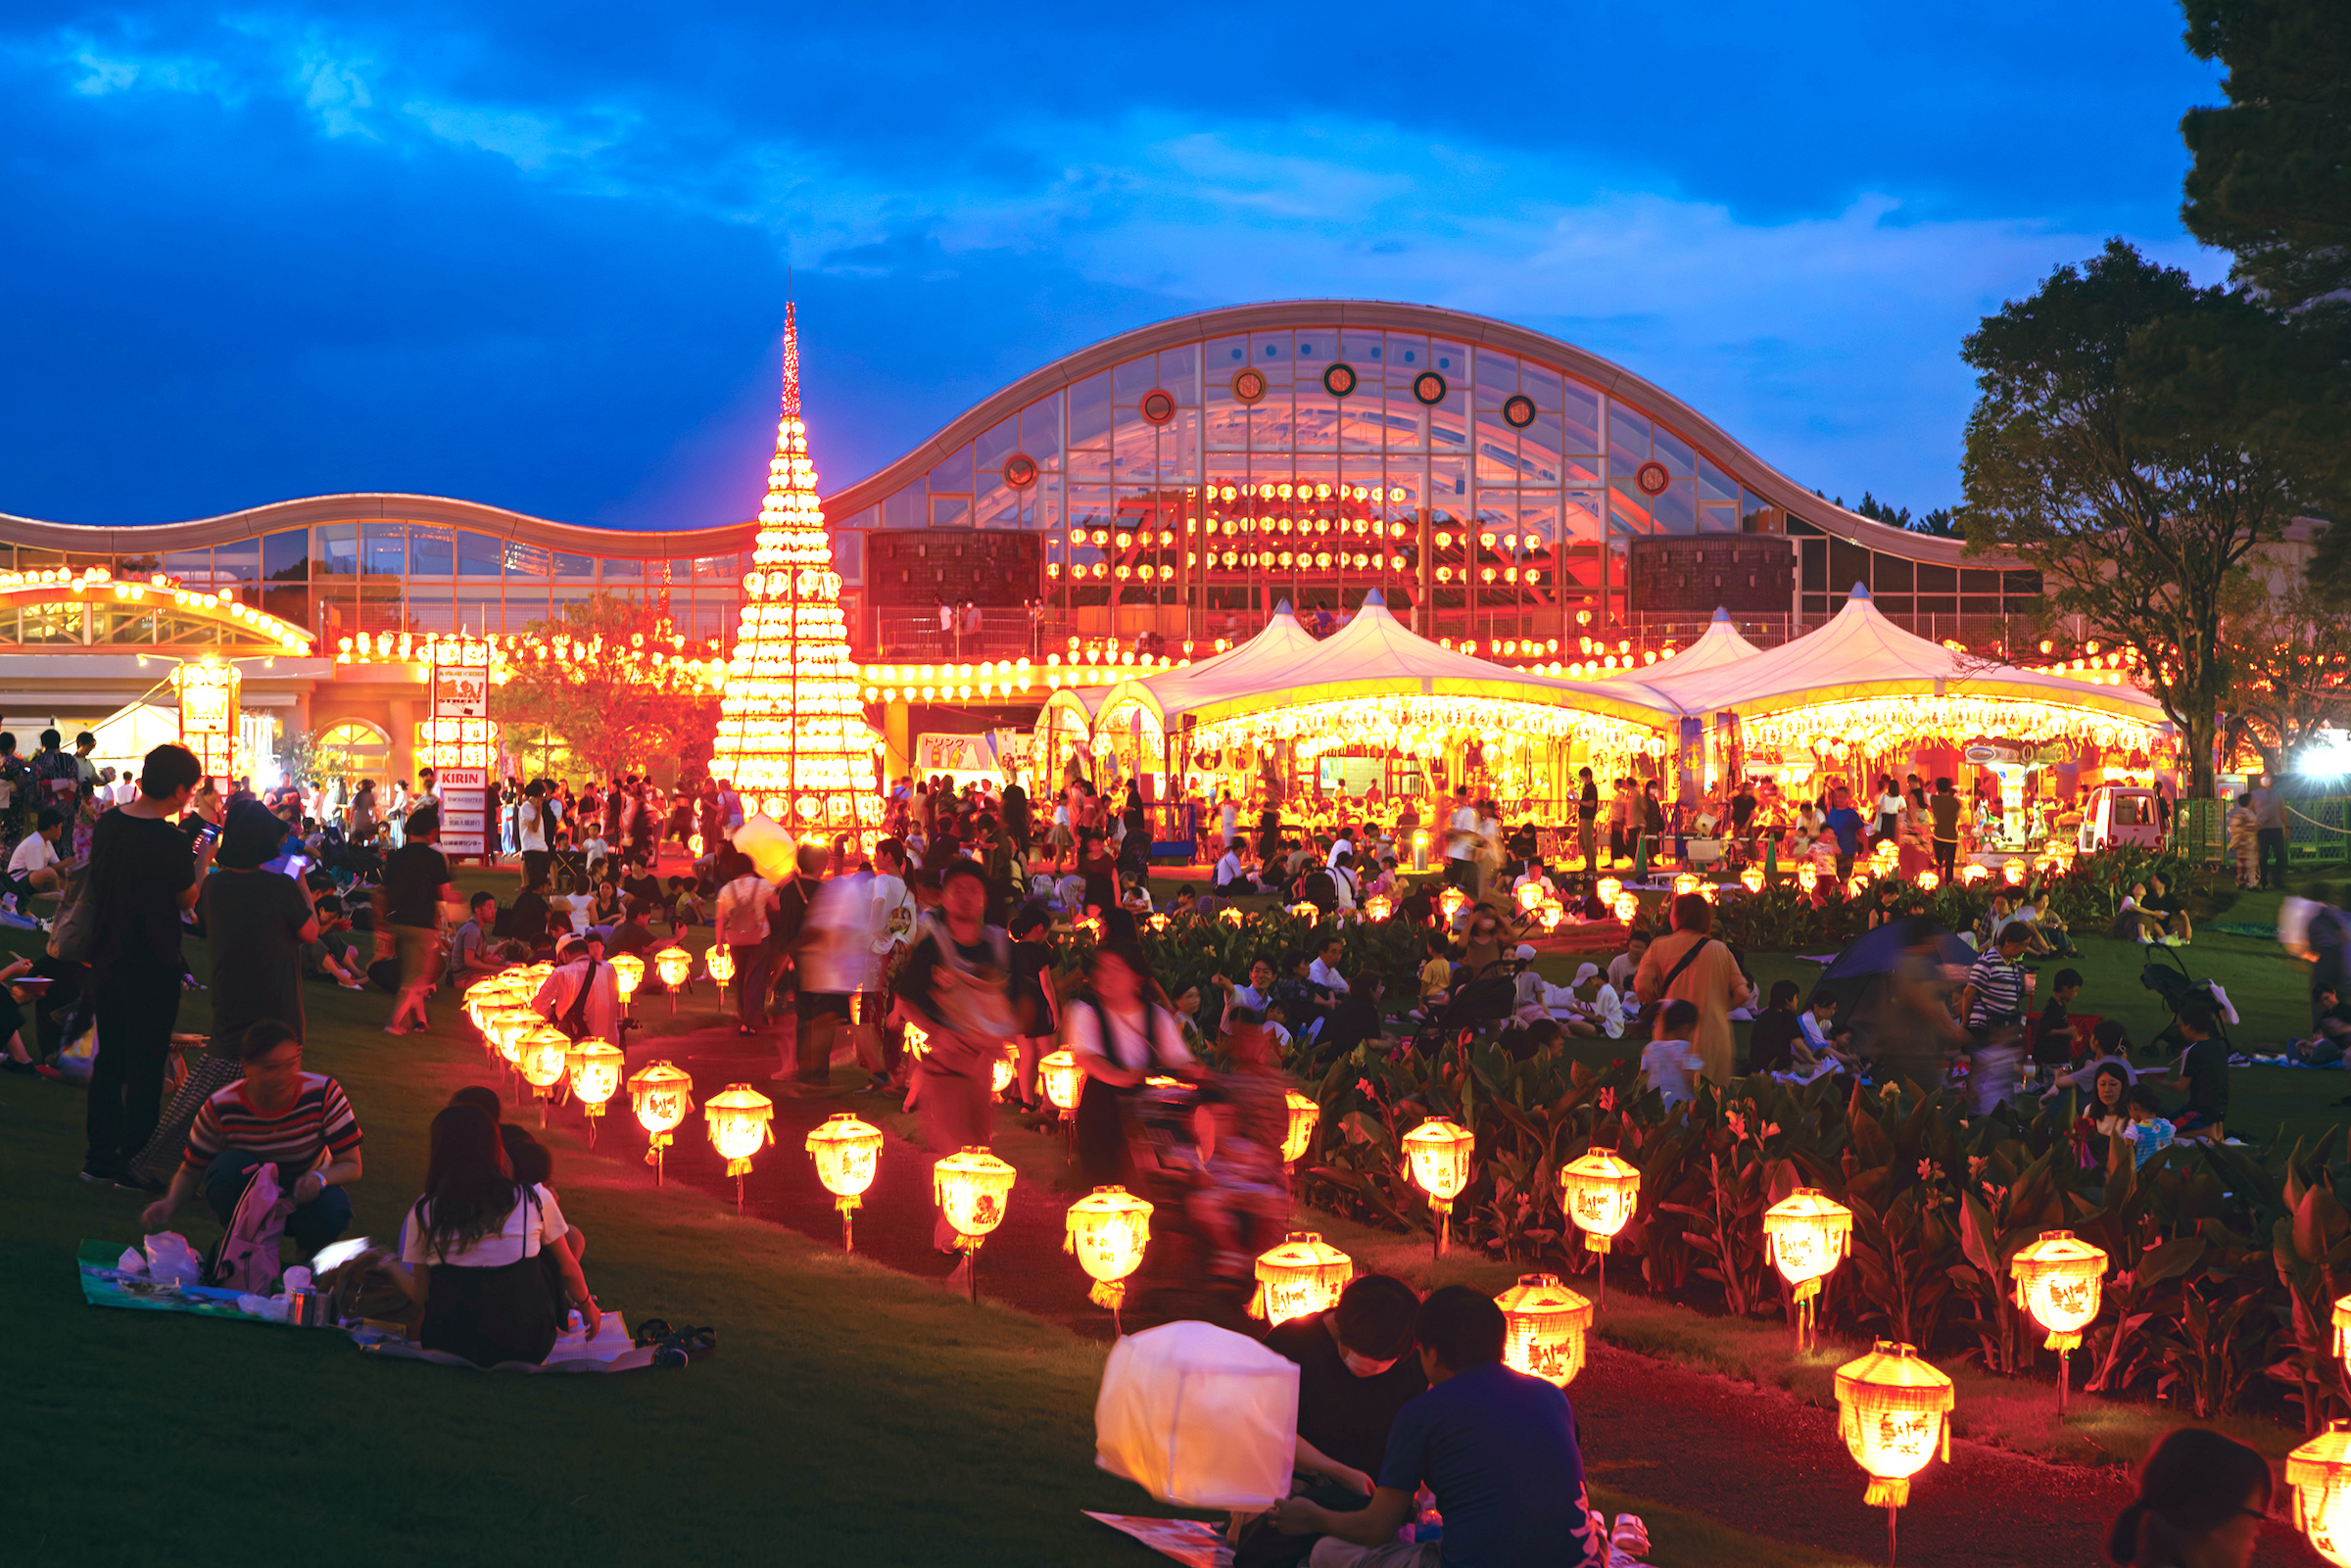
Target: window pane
[(1678, 455), (526, 560), (387, 549), (1580, 410), (432, 551), (720, 568), (1180, 374), (951, 511), (905, 508), (1041, 431), (616, 571), (338, 551), (997, 443), (574, 565), (1628, 442), (954, 476), (477, 555), (1090, 411), (286, 556), (1712, 483)]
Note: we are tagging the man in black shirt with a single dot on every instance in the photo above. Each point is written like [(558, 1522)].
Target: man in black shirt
[(142, 875), (409, 914), (634, 936), (2204, 1070), (1356, 1369), (641, 884)]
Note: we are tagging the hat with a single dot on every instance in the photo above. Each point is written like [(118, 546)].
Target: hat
[(571, 944), (1586, 972), (250, 834), (1524, 951)]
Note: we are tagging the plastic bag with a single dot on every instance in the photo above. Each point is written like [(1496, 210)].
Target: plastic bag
[(1198, 1416), (80, 1056), (170, 1257)]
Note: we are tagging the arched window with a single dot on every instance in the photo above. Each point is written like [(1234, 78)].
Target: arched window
[(353, 750)]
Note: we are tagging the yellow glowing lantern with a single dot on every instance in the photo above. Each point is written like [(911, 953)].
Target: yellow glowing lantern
[(541, 1059), (1157, 922), (2319, 1473), (847, 1154), (1628, 908), (1710, 892), (1107, 1231), (1808, 877), (1546, 1324), (1752, 879), (1607, 888), (1230, 916), (1001, 1070), (1858, 887), (971, 1189), (673, 964), (1530, 896), (1304, 1274), (1450, 901), (1971, 875), (2342, 1330), (1305, 1113), (1886, 857), (1550, 914), (1893, 1410), (740, 1119), (1380, 906), (1928, 881), (1807, 1235), (2061, 1279), (508, 1027), (1439, 1150), (719, 964), (1686, 883), (661, 1094), (1064, 1081), (2012, 871), (1600, 1190), (596, 1068), (627, 972)]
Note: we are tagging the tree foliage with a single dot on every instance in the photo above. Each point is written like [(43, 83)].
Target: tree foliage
[(2291, 672), (2137, 437), (610, 685)]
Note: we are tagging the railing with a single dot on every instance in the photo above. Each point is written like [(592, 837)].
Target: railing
[(998, 633)]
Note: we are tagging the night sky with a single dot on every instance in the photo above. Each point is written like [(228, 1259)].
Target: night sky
[(535, 255)]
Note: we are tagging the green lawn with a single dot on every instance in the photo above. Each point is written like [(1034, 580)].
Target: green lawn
[(852, 1415)]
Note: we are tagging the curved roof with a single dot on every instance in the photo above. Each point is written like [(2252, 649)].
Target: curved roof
[(1457, 325), (1376, 656), (1861, 654), (1590, 368)]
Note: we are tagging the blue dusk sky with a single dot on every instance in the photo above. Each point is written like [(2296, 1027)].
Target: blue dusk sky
[(535, 255)]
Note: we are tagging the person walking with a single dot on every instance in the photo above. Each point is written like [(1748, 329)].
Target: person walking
[(745, 901), (1688, 965), (407, 915), (1120, 1036), (1586, 818), (144, 870), (956, 986), (2269, 822), (1945, 808)]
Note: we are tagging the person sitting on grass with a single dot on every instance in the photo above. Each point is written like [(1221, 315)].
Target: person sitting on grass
[(1821, 1046), (470, 955), (2147, 1132), (1355, 1372), (276, 1114), (1771, 1047), (1497, 1447), (330, 954), (1669, 1063), (2325, 1047), (2203, 1070), (1627, 964), (2165, 914), (534, 1165), (1437, 979), (14, 999), (471, 1245), (634, 935)]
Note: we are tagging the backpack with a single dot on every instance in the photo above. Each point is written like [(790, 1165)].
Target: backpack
[(747, 920)]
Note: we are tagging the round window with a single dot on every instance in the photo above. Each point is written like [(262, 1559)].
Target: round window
[(1652, 478), (1339, 379), (1019, 470), (1158, 407), (1518, 410), (1248, 386), (1429, 388)]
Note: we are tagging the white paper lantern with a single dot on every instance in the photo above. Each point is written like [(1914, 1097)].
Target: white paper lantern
[(1199, 1417)]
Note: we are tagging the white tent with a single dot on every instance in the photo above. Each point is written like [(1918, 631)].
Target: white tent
[(1719, 645), (1263, 663), (1862, 670), (126, 735)]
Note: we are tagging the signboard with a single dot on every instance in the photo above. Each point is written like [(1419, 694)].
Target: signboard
[(207, 714), (467, 808), (460, 680), (1690, 576), (994, 568), (959, 754)]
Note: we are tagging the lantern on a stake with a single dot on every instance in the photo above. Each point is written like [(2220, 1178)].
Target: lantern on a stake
[(971, 1189), (1929, 881), (1600, 1190), (1439, 1150), (673, 964), (1107, 1231), (596, 1067), (1807, 1235), (1607, 888), (628, 973), (1894, 1411), (1530, 897), (2012, 871), (1304, 1274), (1550, 914), (1064, 1081), (740, 1119), (508, 1026), (1686, 883), (847, 1153), (661, 1094), (1305, 1114), (2059, 1280), (1451, 901), (1380, 906), (2342, 1331), (541, 1059), (1628, 908), (1546, 1324), (719, 965), (1001, 1070), (2319, 1472), (1808, 877)]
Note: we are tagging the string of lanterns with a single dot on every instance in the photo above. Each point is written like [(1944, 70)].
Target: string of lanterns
[(1884, 724), (1418, 723)]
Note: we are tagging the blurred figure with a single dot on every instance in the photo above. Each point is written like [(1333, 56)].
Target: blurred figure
[(2201, 1500)]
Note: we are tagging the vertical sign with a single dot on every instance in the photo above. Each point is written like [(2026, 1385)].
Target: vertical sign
[(463, 746)]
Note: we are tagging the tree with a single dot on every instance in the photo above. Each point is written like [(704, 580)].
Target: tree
[(613, 683), (2291, 670), (2125, 441), (2270, 180), (1940, 522)]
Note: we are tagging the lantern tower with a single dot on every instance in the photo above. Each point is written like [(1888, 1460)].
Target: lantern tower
[(792, 730)]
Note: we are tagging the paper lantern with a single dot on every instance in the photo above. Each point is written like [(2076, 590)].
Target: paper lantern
[(1552, 914), (1199, 1416), (1002, 1070), (1304, 1274), (1686, 883), (1600, 1190), (1157, 922), (740, 1118), (1546, 1324), (661, 1094), (1306, 910), (508, 1026), (1752, 879), (627, 972), (1628, 908), (541, 1059), (1808, 877), (1064, 1081), (2012, 871), (1305, 1113), (1530, 896), (596, 1068), (1107, 1231), (918, 1040), (1451, 901), (1378, 907), (1928, 881), (719, 962), (1439, 1151), (1892, 1410), (1807, 1235), (1858, 887), (1607, 888), (2059, 1280), (1230, 916), (1971, 875), (2318, 1474), (2342, 1330), (673, 964), (971, 1189), (847, 1154), (1710, 892)]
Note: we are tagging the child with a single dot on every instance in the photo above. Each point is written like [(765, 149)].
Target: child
[(2325, 1047), (2053, 1038), (1669, 1063), (1819, 1045), (1771, 1048), (1437, 979), (685, 905), (1627, 964), (2147, 1133)]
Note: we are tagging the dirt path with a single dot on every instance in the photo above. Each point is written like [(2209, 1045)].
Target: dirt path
[(1753, 1458)]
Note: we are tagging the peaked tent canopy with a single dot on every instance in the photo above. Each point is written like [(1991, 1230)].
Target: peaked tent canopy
[(1262, 663), (1718, 646), (1861, 673)]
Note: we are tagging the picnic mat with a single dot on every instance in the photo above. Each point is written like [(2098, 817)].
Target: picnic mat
[(104, 1284), (1186, 1540)]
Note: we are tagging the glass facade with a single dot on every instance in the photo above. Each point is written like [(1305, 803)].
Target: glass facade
[(375, 575)]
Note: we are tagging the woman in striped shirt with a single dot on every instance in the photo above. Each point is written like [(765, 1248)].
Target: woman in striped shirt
[(276, 1114)]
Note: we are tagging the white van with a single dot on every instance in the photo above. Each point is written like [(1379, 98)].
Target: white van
[(2120, 814)]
